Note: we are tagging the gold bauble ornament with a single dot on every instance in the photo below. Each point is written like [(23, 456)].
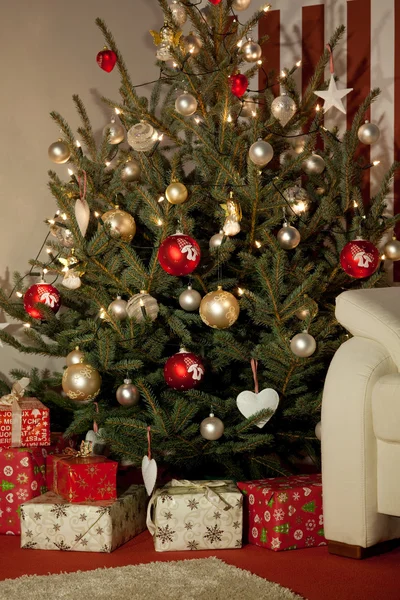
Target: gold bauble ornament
[(192, 44), (121, 224), (219, 309), (81, 382), (176, 193), (59, 152), (392, 250), (75, 357)]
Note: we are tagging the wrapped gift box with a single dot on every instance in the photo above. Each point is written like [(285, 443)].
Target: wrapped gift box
[(284, 513), (22, 477), (196, 515), (58, 443), (25, 425), (49, 523), (82, 478)]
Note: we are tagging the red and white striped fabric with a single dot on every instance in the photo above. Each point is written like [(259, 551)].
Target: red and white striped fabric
[(367, 58)]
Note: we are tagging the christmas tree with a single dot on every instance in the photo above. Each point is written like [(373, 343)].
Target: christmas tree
[(201, 260)]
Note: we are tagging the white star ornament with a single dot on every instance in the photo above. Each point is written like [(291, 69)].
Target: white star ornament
[(333, 96)]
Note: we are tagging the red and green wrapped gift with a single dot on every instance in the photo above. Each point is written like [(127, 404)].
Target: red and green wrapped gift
[(22, 478), (78, 477), (284, 513)]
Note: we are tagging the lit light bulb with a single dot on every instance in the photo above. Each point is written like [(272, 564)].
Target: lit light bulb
[(48, 250), (27, 325), (355, 204), (239, 44), (376, 163), (77, 143), (45, 271), (383, 257), (117, 111), (51, 221), (19, 294), (259, 62), (257, 244), (283, 74), (197, 120), (159, 222), (64, 217), (70, 172), (266, 7), (161, 199), (96, 214), (240, 291), (65, 269), (58, 212), (253, 113), (229, 119), (141, 302), (102, 313), (317, 108), (107, 163), (160, 137), (298, 64), (300, 207)]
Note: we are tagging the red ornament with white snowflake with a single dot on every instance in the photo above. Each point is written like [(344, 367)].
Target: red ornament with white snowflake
[(106, 59), (179, 254), (184, 371), (41, 293), (238, 84), (360, 258)]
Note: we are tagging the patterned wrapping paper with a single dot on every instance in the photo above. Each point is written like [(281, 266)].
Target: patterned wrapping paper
[(82, 479), (196, 515), (35, 424), (58, 443), (284, 513), (22, 477), (49, 523)]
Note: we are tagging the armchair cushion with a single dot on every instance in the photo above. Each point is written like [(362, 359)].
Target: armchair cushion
[(386, 408)]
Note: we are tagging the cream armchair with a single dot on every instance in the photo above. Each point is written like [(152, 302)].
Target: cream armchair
[(361, 426)]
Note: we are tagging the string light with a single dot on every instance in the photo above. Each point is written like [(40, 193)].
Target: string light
[(298, 64), (317, 108), (51, 221), (257, 244), (266, 7), (117, 111), (283, 74), (159, 222), (27, 325), (48, 250), (240, 291), (355, 204), (259, 62), (77, 143), (96, 214), (102, 314), (70, 172), (376, 163), (161, 199), (239, 44), (19, 294), (229, 118), (197, 120), (383, 257), (107, 163), (45, 271), (64, 217)]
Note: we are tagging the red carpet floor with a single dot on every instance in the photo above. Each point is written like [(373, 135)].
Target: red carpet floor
[(312, 573)]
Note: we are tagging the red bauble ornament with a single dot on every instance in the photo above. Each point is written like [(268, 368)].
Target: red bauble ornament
[(179, 254), (45, 294), (215, 2), (360, 258), (183, 371), (106, 59), (239, 84)]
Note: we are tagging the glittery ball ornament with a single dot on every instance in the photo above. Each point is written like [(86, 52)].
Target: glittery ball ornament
[(142, 306), (219, 309), (41, 293), (283, 108), (178, 13), (81, 382), (360, 258), (192, 44), (142, 136), (121, 225), (238, 84), (106, 59), (179, 254), (184, 371)]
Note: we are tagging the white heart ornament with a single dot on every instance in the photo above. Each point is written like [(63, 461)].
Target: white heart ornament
[(82, 215), (149, 472), (250, 403), (98, 444)]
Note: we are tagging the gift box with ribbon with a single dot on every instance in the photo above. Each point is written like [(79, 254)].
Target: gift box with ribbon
[(23, 421), (49, 523), (77, 476), (196, 515)]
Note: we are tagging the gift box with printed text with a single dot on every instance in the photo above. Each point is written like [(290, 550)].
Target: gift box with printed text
[(49, 523), (25, 424), (284, 513)]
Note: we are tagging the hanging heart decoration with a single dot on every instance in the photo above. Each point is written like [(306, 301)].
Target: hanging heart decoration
[(149, 467), (250, 403), (95, 437), (82, 210)]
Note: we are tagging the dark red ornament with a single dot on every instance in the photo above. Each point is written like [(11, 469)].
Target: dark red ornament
[(179, 254), (239, 84), (42, 293), (215, 2), (183, 371), (106, 59), (360, 258)]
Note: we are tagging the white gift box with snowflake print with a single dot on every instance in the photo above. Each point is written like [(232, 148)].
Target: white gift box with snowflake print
[(196, 515)]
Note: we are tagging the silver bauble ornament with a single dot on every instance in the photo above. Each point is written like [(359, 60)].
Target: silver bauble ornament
[(240, 4), (302, 314), (216, 240), (81, 382), (186, 104), (206, 13), (297, 198), (249, 108), (392, 250), (251, 51), (318, 430), (59, 152), (178, 13), (219, 309), (142, 136), (283, 108), (128, 394), (176, 193), (117, 309), (192, 44), (288, 237), (190, 299), (313, 165), (211, 428), (141, 306), (261, 153), (75, 357), (115, 132), (303, 345), (71, 280), (369, 133), (130, 171)]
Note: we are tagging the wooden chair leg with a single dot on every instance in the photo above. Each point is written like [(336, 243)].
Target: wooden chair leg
[(358, 552)]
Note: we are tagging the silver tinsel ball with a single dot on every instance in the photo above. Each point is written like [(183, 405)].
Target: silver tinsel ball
[(297, 198), (288, 237), (283, 108), (186, 104), (212, 428), (178, 13), (130, 171), (142, 136), (261, 153), (392, 250), (75, 357), (192, 44), (248, 108), (369, 133), (240, 4), (318, 430), (303, 345), (302, 314), (59, 152), (251, 51), (190, 299), (314, 164), (128, 394), (117, 309), (216, 240), (141, 306), (115, 132)]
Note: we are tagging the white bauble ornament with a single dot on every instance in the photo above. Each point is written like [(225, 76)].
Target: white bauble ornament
[(212, 428), (142, 136), (186, 104), (318, 430), (190, 299), (251, 51), (206, 13), (261, 153), (115, 132), (369, 133), (128, 394), (59, 152), (141, 306), (178, 13), (303, 345), (313, 165), (288, 237), (149, 473), (216, 240), (117, 309), (283, 108), (392, 250), (249, 403), (240, 4)]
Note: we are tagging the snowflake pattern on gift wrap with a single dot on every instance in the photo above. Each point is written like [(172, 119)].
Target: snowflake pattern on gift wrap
[(108, 489), (310, 541), (104, 510), (165, 534), (29, 533), (9, 455), (59, 510), (214, 534), (165, 496), (193, 545), (188, 526), (298, 534), (99, 531), (82, 517), (29, 545), (79, 537), (321, 519), (236, 525), (8, 509), (239, 502), (37, 516), (275, 543), (251, 499), (105, 548), (310, 524), (257, 519), (22, 495), (92, 470), (62, 545), (279, 514), (296, 496), (265, 491), (8, 471), (283, 497), (84, 542), (238, 543), (82, 483), (56, 527), (193, 504), (168, 515), (217, 515)]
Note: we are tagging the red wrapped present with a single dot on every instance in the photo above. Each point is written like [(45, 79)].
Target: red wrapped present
[(22, 477), (78, 477), (284, 513), (23, 421), (58, 443)]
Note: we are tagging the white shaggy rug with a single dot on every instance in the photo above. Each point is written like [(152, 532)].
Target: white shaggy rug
[(199, 579)]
